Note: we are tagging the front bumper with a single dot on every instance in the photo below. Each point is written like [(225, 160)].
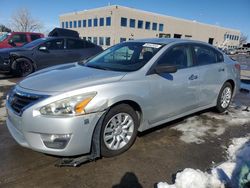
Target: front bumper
[(5, 65), (28, 129)]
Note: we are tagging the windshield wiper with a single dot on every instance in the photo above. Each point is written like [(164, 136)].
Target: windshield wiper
[(97, 67)]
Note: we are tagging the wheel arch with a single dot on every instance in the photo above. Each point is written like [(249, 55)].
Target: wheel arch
[(133, 104), (232, 84), (17, 57)]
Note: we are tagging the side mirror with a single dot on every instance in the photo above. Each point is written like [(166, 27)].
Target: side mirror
[(165, 69), (12, 43), (43, 48)]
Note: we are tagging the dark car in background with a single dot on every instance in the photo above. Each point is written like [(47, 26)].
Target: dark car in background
[(45, 52), (13, 39)]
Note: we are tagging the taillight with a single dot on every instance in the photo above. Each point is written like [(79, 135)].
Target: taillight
[(237, 66)]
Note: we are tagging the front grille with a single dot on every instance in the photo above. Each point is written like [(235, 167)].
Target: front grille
[(20, 101), (1, 60)]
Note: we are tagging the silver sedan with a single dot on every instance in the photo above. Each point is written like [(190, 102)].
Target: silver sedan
[(130, 87)]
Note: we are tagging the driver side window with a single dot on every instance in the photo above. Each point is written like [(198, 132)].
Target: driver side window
[(57, 44), (179, 56)]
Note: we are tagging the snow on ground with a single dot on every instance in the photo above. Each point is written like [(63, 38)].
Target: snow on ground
[(195, 129), (6, 83), (2, 109), (234, 173)]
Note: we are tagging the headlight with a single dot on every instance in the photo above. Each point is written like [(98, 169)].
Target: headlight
[(70, 106)]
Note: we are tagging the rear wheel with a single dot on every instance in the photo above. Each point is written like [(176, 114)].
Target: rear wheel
[(24, 67), (224, 98), (119, 130)]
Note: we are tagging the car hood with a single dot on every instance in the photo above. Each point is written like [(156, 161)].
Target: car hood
[(68, 77)]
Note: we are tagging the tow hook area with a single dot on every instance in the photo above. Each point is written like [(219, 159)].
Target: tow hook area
[(93, 156), (75, 162)]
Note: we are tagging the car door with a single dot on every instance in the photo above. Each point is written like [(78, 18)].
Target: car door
[(212, 72), (174, 93), (50, 53)]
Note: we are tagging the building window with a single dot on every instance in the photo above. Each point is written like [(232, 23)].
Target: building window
[(154, 27), (147, 25), (107, 41), (101, 41), (67, 24), (101, 22), (62, 24), (140, 24), (95, 40), (123, 39), (70, 24), (90, 39), (108, 21), (84, 23), (124, 22), (95, 22), (79, 23), (89, 22), (132, 23), (161, 27), (75, 24)]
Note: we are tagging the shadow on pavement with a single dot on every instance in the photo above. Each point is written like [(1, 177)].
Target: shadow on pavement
[(129, 180)]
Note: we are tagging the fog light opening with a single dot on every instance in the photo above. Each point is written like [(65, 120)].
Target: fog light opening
[(56, 141)]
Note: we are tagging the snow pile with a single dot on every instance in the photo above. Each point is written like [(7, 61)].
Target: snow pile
[(225, 175), (190, 178), (195, 129)]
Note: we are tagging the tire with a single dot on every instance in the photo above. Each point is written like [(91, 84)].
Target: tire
[(24, 67), (119, 130), (224, 98)]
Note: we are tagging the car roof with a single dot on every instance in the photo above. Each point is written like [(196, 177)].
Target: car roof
[(168, 41), (19, 32)]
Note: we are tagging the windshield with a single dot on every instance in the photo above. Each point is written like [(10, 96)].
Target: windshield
[(127, 56), (3, 37), (34, 43)]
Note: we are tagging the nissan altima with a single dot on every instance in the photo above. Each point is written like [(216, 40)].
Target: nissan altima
[(130, 87)]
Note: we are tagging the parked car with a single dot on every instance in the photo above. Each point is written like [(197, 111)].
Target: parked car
[(15, 39), (130, 87), (45, 52)]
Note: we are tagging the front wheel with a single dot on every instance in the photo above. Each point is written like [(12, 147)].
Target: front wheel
[(224, 98), (119, 130), (24, 67)]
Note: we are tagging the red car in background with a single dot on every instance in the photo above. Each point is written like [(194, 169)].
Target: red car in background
[(13, 39)]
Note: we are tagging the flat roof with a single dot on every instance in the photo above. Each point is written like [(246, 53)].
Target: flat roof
[(143, 11)]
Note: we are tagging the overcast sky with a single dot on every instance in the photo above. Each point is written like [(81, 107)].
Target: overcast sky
[(225, 13)]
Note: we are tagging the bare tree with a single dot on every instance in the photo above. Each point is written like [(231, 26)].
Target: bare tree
[(24, 22), (243, 39)]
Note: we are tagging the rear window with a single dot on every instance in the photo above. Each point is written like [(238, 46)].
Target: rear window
[(34, 37)]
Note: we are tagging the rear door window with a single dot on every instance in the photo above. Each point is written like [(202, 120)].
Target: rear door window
[(76, 44), (206, 55)]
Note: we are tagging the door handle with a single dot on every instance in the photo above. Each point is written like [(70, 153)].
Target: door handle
[(221, 69), (193, 77)]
